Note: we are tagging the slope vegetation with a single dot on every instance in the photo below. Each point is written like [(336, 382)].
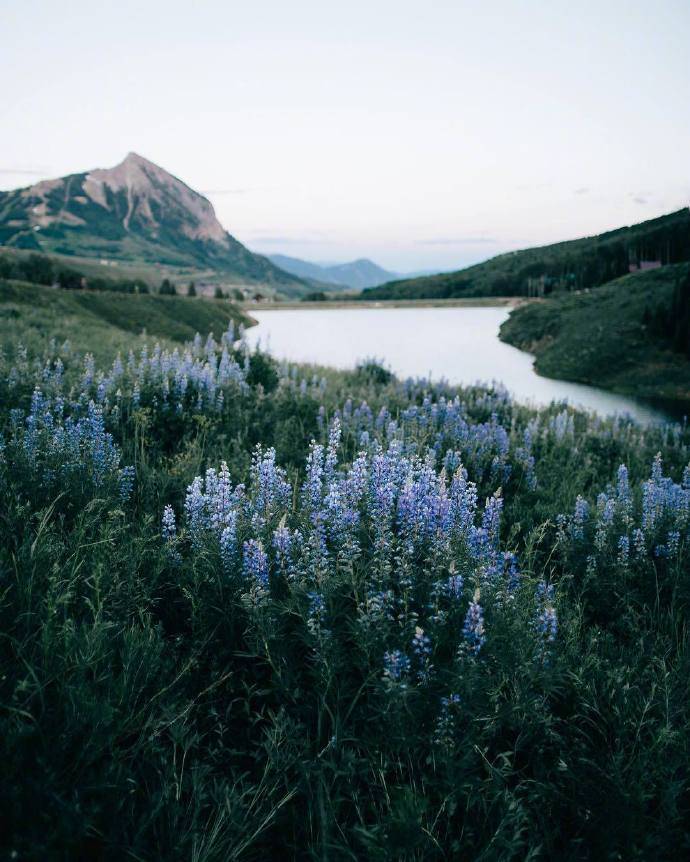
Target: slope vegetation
[(106, 322), (631, 336)]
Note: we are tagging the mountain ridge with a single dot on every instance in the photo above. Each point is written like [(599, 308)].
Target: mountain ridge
[(135, 211), (358, 274)]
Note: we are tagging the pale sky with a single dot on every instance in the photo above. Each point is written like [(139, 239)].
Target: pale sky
[(421, 134)]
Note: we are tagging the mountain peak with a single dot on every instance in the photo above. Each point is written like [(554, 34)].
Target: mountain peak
[(134, 211), (152, 193), (135, 157), (134, 160)]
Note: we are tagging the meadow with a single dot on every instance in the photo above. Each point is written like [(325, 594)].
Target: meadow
[(258, 611)]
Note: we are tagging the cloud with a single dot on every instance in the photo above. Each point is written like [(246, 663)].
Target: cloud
[(583, 190), (458, 240), (640, 197)]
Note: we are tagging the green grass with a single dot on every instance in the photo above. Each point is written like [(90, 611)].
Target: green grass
[(602, 337), (105, 323)]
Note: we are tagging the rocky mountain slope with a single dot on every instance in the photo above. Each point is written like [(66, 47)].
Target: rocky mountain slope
[(135, 211)]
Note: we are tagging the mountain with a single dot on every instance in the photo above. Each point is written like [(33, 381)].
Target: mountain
[(576, 264), (358, 274), (134, 212)]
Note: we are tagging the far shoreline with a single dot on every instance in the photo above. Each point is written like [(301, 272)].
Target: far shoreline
[(468, 302)]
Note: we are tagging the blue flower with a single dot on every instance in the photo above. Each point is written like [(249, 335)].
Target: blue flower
[(255, 562), (473, 629)]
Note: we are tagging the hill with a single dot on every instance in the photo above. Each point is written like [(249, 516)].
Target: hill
[(135, 212), (358, 274), (575, 264), (105, 323), (631, 335)]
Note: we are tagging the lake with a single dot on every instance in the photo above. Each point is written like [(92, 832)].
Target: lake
[(460, 345)]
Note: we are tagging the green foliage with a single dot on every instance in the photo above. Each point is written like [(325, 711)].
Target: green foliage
[(372, 371), (167, 288), (671, 320), (104, 323), (630, 335), (42, 269)]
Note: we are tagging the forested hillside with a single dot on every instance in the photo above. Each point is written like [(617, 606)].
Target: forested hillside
[(573, 265)]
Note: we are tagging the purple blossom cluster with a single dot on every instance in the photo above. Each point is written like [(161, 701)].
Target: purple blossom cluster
[(57, 443), (389, 515), (652, 521)]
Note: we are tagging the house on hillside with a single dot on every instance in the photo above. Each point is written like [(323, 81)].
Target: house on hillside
[(644, 265)]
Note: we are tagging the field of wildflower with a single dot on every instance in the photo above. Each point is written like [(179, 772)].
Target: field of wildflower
[(250, 611)]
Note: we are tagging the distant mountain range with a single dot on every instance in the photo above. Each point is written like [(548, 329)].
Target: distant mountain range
[(134, 212), (575, 264), (357, 274)]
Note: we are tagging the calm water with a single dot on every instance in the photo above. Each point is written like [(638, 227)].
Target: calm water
[(460, 345)]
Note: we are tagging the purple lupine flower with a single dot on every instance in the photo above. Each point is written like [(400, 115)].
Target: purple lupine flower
[(579, 518), (228, 541), (255, 562), (421, 643), (126, 482), (396, 666), (168, 524), (547, 623), (623, 550), (316, 614), (313, 484), (473, 628), (513, 574), (334, 434), (195, 510), (455, 585)]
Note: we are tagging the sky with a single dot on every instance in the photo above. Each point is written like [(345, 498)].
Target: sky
[(424, 135)]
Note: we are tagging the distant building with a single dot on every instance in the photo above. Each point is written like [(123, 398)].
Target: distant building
[(644, 265)]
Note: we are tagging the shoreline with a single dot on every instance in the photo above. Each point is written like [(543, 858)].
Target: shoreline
[(470, 302)]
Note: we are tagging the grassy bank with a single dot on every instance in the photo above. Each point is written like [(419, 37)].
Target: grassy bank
[(609, 337), (253, 613), (105, 323)]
